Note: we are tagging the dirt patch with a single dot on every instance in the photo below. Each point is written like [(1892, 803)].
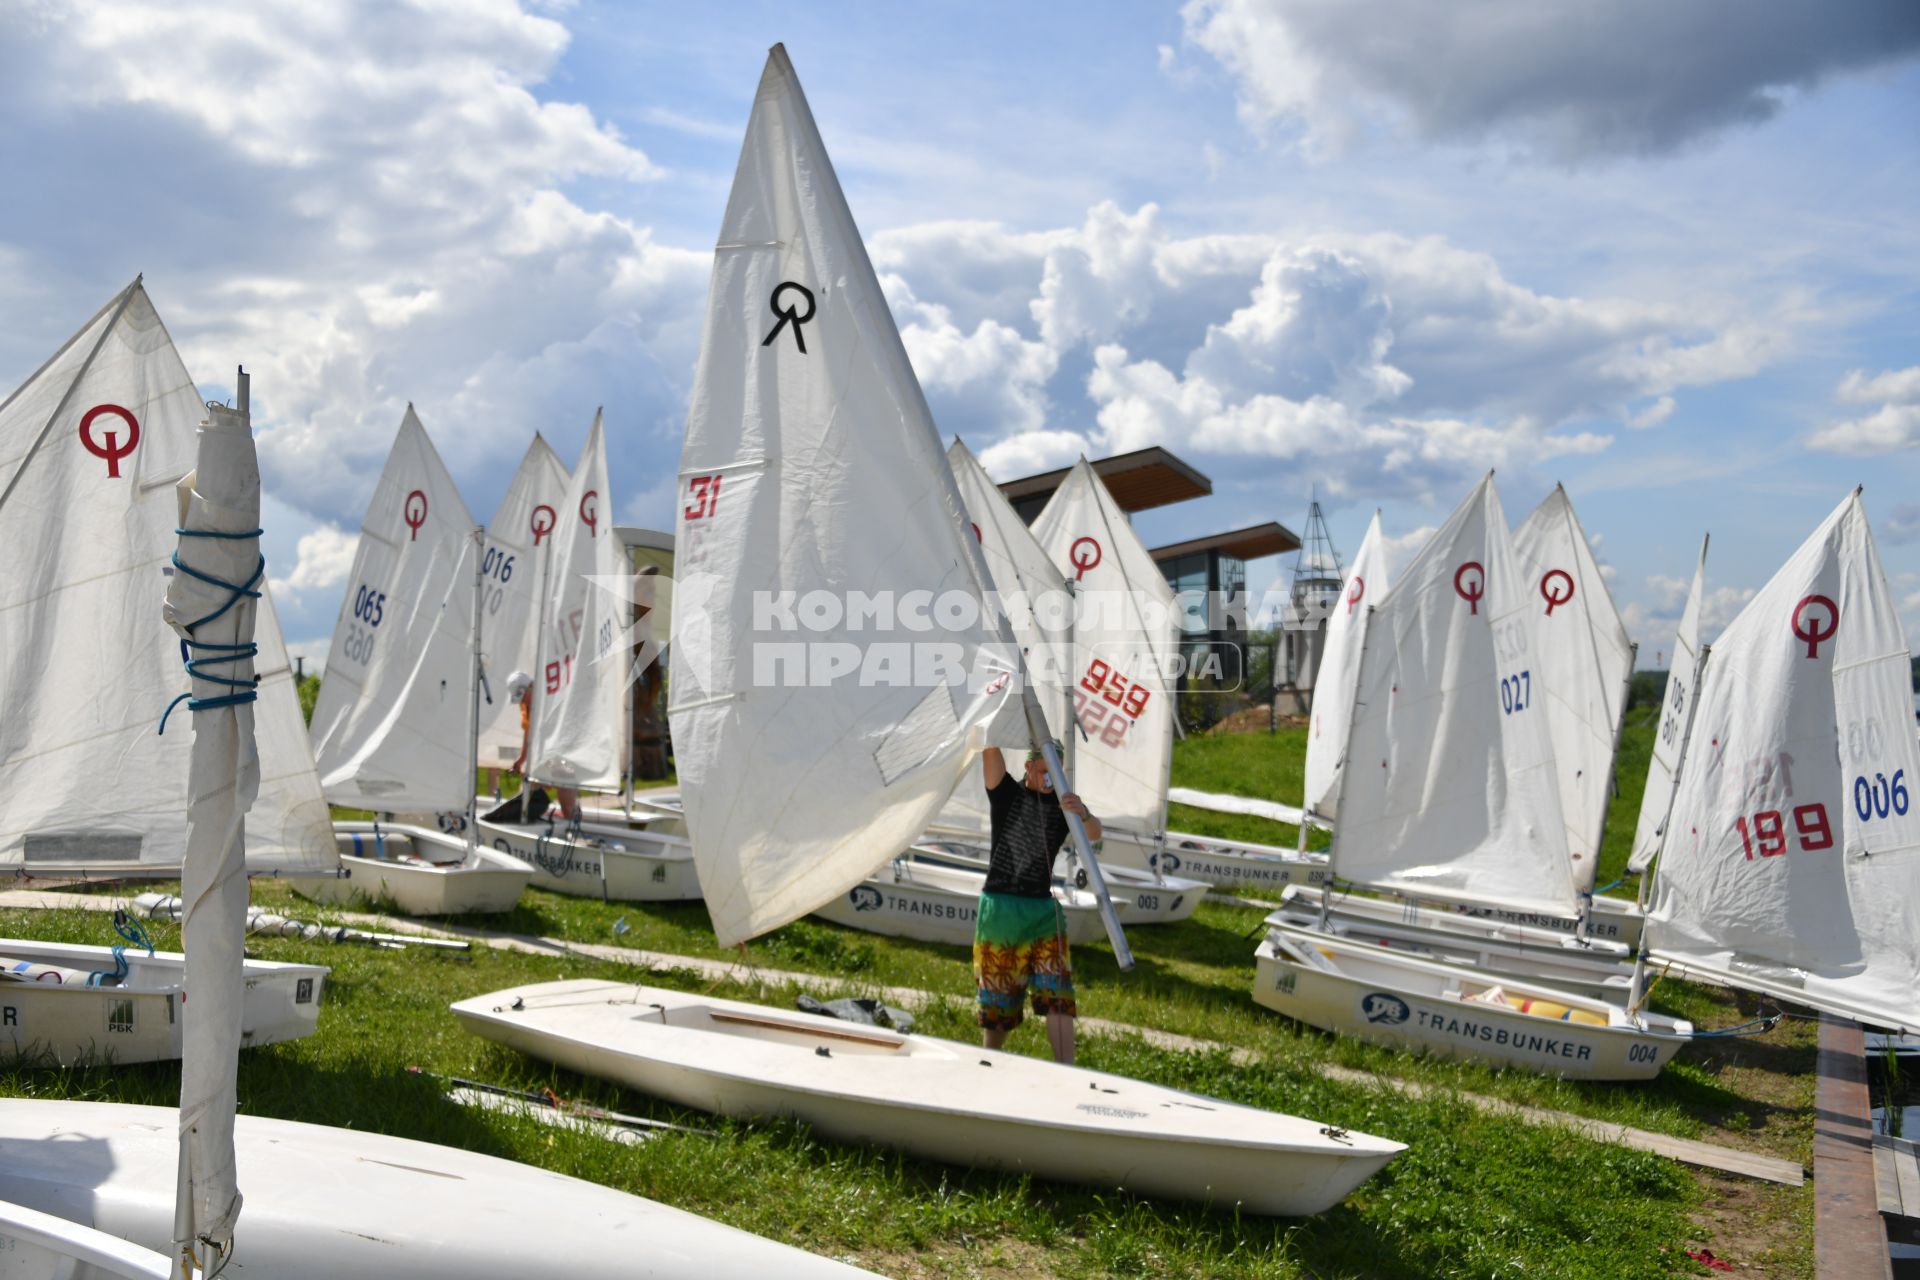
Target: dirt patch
[(1764, 1232), (1257, 720), (1003, 1259)]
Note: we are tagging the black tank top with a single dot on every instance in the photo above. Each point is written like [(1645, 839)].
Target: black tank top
[(1028, 830)]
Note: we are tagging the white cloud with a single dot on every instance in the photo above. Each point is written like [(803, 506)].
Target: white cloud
[(1894, 425), (324, 558), (1400, 549), (1632, 77), (989, 381), (1653, 415), (1902, 524)]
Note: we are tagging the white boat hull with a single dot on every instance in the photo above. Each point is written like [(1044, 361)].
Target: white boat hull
[(931, 903), (420, 871), (932, 1098), (71, 1024), (612, 861), (1352, 990), (39, 1246), (1602, 971), (325, 1203), (1612, 920), (1221, 863), (1149, 898)]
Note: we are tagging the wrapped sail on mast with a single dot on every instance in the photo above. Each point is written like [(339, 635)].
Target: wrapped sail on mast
[(1792, 859), (90, 448), (1657, 799), (1339, 671), (390, 724), (510, 614), (1583, 663), (812, 745), (1123, 654), (1450, 790), (579, 724)]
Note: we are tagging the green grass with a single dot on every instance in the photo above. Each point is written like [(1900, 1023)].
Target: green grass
[(1475, 1196)]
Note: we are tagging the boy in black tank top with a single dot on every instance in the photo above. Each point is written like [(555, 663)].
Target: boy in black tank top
[(1020, 938)]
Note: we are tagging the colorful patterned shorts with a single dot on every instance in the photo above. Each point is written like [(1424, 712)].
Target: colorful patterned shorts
[(1020, 945)]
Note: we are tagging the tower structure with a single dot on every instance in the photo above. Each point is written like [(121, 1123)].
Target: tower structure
[(1317, 576)]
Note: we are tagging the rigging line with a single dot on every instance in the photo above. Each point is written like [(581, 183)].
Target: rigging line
[(245, 690)]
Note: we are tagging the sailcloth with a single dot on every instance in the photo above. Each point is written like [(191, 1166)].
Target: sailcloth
[(218, 508), (510, 616), (1682, 676), (1366, 583), (90, 448), (1792, 859), (813, 485), (1450, 789), (1123, 654), (1583, 663), (390, 724), (579, 727), (1032, 595)]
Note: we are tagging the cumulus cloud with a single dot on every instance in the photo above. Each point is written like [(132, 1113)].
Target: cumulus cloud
[(365, 201), (323, 559), (1894, 425), (1653, 621), (1653, 415), (1569, 83)]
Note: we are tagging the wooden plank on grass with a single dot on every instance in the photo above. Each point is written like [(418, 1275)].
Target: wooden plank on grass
[(1849, 1238)]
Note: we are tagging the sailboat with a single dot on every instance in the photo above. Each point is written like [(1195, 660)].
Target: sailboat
[(811, 462), (90, 446), (322, 1202), (578, 736), (526, 518), (36, 1245), (1787, 865), (1449, 658), (394, 728)]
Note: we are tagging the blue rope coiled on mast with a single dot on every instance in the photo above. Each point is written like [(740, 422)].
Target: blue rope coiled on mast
[(217, 654)]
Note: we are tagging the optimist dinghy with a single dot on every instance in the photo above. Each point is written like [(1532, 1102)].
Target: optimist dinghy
[(604, 856), (402, 694), (930, 902), (70, 1006), (39, 1246), (1150, 898), (934, 1099), (1362, 990), (421, 871), (322, 1203)]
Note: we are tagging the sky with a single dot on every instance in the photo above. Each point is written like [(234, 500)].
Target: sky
[(1664, 254)]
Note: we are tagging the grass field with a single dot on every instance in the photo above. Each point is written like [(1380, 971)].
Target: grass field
[(1475, 1196)]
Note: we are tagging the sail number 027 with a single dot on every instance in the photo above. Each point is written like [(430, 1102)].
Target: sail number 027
[(1516, 692)]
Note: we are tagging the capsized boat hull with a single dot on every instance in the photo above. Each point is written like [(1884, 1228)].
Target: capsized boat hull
[(1352, 990), (1600, 970), (70, 1024), (1221, 863), (421, 871), (932, 903), (323, 1203), (39, 1246), (931, 1098), (615, 862)]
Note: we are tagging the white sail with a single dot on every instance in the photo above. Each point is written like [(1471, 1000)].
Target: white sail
[(579, 729), (1366, 583), (1790, 863), (510, 617), (1583, 662), (1450, 790), (1123, 654), (218, 512), (1032, 594), (90, 448), (1657, 798), (812, 482), (390, 724)]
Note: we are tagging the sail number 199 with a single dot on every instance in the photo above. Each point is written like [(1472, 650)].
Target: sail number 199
[(1766, 832)]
